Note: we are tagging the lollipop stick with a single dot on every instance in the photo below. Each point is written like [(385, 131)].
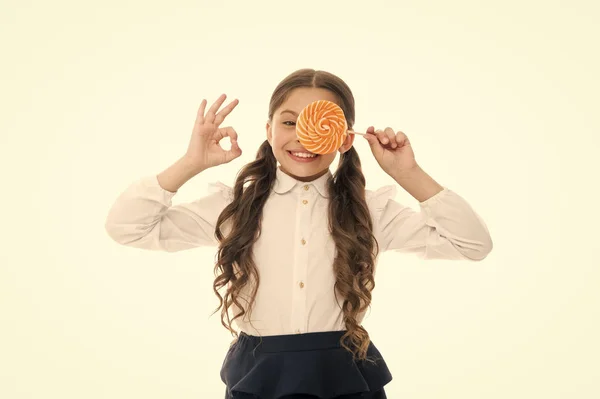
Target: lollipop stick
[(353, 132)]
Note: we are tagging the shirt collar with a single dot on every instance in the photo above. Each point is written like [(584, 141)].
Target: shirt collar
[(285, 182)]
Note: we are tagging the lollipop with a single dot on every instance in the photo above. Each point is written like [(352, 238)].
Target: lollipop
[(322, 127)]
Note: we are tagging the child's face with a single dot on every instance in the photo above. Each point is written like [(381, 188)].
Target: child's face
[(281, 134)]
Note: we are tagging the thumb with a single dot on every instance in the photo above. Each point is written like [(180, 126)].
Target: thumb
[(234, 152), (373, 142)]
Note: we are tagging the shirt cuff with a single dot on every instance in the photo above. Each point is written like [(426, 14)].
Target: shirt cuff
[(151, 182), (435, 199)]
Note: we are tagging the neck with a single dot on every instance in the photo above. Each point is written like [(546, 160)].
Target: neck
[(305, 178)]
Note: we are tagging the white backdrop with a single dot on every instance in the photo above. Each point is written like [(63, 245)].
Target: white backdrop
[(500, 102)]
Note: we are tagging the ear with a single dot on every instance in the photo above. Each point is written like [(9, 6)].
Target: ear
[(347, 143), (269, 133)]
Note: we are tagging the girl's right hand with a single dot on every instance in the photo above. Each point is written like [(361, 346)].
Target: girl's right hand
[(204, 150)]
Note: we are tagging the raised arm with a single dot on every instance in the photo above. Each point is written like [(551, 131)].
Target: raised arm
[(446, 227), (143, 215)]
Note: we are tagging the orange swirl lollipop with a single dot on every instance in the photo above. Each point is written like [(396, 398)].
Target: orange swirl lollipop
[(322, 127)]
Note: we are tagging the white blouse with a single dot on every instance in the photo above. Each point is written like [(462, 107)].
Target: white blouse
[(294, 253)]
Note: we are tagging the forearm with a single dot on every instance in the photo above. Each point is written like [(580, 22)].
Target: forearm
[(176, 175), (418, 184)]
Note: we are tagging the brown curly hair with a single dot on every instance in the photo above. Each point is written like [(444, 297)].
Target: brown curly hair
[(350, 222)]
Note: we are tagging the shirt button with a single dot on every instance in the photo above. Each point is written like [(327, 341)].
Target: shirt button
[(301, 284), (304, 202), (306, 187), (303, 241)]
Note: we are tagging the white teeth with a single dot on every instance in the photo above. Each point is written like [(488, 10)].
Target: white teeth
[(303, 155)]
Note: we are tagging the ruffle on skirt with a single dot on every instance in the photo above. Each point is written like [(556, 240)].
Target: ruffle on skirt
[(310, 364)]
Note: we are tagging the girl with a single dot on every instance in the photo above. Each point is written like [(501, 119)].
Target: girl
[(297, 245)]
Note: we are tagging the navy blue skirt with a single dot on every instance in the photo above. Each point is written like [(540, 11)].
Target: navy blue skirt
[(312, 365)]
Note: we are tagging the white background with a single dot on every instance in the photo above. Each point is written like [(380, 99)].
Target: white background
[(499, 100)]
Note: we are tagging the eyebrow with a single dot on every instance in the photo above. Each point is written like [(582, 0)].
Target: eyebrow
[(290, 111)]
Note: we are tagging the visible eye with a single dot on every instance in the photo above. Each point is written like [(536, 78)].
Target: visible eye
[(293, 123)]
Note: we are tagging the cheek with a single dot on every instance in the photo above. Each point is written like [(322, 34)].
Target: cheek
[(328, 158), (281, 137)]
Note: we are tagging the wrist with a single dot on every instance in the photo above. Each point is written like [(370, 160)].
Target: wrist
[(407, 173), (189, 166)]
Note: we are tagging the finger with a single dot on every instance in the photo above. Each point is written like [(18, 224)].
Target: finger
[(370, 133), (234, 152), (401, 138), (374, 143), (200, 113), (233, 136), (210, 115), (391, 136), (382, 136), (227, 132), (220, 117)]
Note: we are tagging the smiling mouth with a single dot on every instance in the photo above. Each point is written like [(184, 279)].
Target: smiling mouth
[(303, 156)]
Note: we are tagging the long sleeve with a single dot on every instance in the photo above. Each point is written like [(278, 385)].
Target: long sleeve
[(445, 228), (143, 216)]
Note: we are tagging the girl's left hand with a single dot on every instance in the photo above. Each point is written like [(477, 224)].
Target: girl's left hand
[(392, 150)]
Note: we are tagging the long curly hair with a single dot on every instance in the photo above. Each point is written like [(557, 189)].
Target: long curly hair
[(350, 223)]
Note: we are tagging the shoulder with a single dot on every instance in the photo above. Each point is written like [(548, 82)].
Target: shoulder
[(377, 199), (222, 189)]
